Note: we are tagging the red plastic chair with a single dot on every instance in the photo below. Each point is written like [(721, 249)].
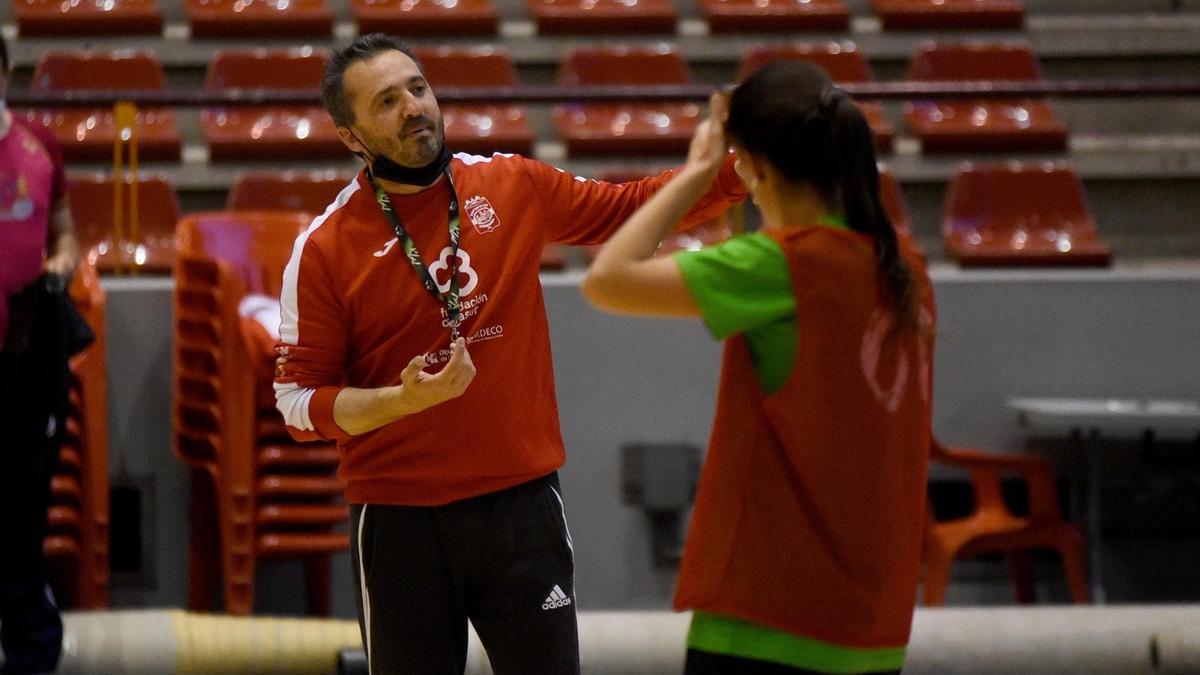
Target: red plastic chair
[(981, 124), (843, 62), (949, 14), (259, 18), (77, 538), (478, 128), (1020, 214), (993, 528), (425, 17), (255, 493), (54, 18), (774, 16), (308, 191), (91, 203), (603, 16), (625, 128), (269, 132), (88, 134)]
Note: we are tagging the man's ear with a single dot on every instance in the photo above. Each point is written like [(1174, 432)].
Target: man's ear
[(350, 140)]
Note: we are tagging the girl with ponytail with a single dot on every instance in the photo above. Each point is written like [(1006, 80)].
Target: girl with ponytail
[(804, 547)]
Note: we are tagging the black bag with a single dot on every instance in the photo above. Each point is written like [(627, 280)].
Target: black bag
[(76, 333), (44, 316)]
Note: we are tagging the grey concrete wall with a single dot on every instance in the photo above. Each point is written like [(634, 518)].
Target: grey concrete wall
[(1127, 332)]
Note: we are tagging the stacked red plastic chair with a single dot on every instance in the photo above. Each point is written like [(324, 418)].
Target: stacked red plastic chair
[(77, 539), (255, 493)]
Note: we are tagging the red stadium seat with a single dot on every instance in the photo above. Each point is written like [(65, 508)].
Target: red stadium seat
[(255, 493), (47, 18), (425, 17), (775, 16), (603, 16), (623, 128), (269, 132), (993, 528), (152, 250), (1020, 214), (259, 18), (949, 14), (87, 134), (843, 62), (981, 124), (478, 128), (308, 191)]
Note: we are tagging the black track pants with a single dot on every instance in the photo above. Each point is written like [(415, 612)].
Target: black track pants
[(501, 560)]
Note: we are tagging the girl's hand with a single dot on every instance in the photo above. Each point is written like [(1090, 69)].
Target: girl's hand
[(708, 147)]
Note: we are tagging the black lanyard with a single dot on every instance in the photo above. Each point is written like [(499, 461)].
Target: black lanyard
[(450, 298)]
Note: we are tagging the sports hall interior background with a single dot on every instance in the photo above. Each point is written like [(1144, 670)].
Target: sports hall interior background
[(177, 489)]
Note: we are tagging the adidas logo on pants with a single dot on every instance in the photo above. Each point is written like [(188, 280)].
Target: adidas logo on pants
[(556, 599)]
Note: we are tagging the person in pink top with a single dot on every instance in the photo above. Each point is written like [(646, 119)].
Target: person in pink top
[(36, 240)]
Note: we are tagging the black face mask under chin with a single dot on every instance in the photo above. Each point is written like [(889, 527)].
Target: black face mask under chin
[(383, 168)]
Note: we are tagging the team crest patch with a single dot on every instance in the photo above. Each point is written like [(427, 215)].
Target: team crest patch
[(482, 215)]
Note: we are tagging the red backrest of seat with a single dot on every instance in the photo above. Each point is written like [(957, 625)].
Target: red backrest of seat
[(467, 66), (624, 65), (841, 60), (121, 69), (299, 68), (234, 9), (310, 191), (1004, 61), (91, 203), (256, 245), (1008, 197)]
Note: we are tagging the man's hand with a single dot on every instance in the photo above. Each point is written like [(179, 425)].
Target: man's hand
[(422, 390)]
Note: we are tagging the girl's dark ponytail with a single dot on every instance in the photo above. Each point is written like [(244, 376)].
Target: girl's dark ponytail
[(857, 175)]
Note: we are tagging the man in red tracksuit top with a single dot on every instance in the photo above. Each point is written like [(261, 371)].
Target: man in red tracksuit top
[(456, 511)]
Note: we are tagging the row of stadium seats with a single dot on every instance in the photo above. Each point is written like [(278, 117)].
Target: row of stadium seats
[(314, 18), (648, 128), (994, 215)]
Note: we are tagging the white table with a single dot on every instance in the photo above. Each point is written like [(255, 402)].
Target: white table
[(1118, 417)]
